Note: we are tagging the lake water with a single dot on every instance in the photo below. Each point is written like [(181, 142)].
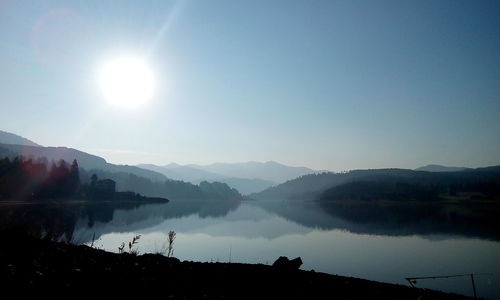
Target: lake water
[(253, 233)]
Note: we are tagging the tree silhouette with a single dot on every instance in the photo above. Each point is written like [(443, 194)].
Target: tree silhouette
[(74, 176), (25, 179), (93, 180)]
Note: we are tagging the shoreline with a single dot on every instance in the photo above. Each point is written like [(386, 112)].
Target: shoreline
[(34, 265), (152, 200)]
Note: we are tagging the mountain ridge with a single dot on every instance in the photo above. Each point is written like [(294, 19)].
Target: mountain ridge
[(193, 175), (440, 168), (14, 139), (85, 160), (270, 170)]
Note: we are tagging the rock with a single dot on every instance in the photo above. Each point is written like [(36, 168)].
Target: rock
[(283, 263), (296, 263), (280, 262)]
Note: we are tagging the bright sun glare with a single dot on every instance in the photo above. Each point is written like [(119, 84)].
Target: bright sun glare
[(126, 82)]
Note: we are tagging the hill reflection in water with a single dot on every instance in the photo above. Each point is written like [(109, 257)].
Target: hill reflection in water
[(399, 219), (60, 221), (378, 242)]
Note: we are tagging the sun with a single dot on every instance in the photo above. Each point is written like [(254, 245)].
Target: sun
[(126, 82)]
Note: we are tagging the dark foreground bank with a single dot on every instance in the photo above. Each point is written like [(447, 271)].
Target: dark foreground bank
[(28, 264)]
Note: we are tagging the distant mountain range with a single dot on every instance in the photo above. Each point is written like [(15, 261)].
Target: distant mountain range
[(270, 170), (193, 175), (269, 180), (184, 173), (249, 177)]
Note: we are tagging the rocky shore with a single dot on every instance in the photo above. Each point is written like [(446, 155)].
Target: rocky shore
[(30, 265)]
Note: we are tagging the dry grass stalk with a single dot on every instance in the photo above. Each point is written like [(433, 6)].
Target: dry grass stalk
[(170, 240)]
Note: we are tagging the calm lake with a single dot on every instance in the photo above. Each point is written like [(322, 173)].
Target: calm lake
[(255, 233)]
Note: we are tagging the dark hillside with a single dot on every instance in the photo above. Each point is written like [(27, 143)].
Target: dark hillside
[(310, 187)]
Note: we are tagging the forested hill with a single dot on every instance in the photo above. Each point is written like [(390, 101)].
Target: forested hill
[(311, 187), (24, 179), (170, 189)]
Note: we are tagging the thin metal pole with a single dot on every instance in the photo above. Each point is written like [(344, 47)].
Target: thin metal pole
[(410, 281), (473, 285)]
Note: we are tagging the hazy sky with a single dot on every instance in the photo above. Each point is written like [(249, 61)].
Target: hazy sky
[(325, 84)]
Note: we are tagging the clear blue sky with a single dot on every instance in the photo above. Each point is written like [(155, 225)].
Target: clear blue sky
[(325, 84)]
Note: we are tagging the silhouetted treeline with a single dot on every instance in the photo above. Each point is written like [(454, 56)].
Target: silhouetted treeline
[(218, 190), (33, 179), (171, 189), (487, 188), (367, 191), (409, 189)]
